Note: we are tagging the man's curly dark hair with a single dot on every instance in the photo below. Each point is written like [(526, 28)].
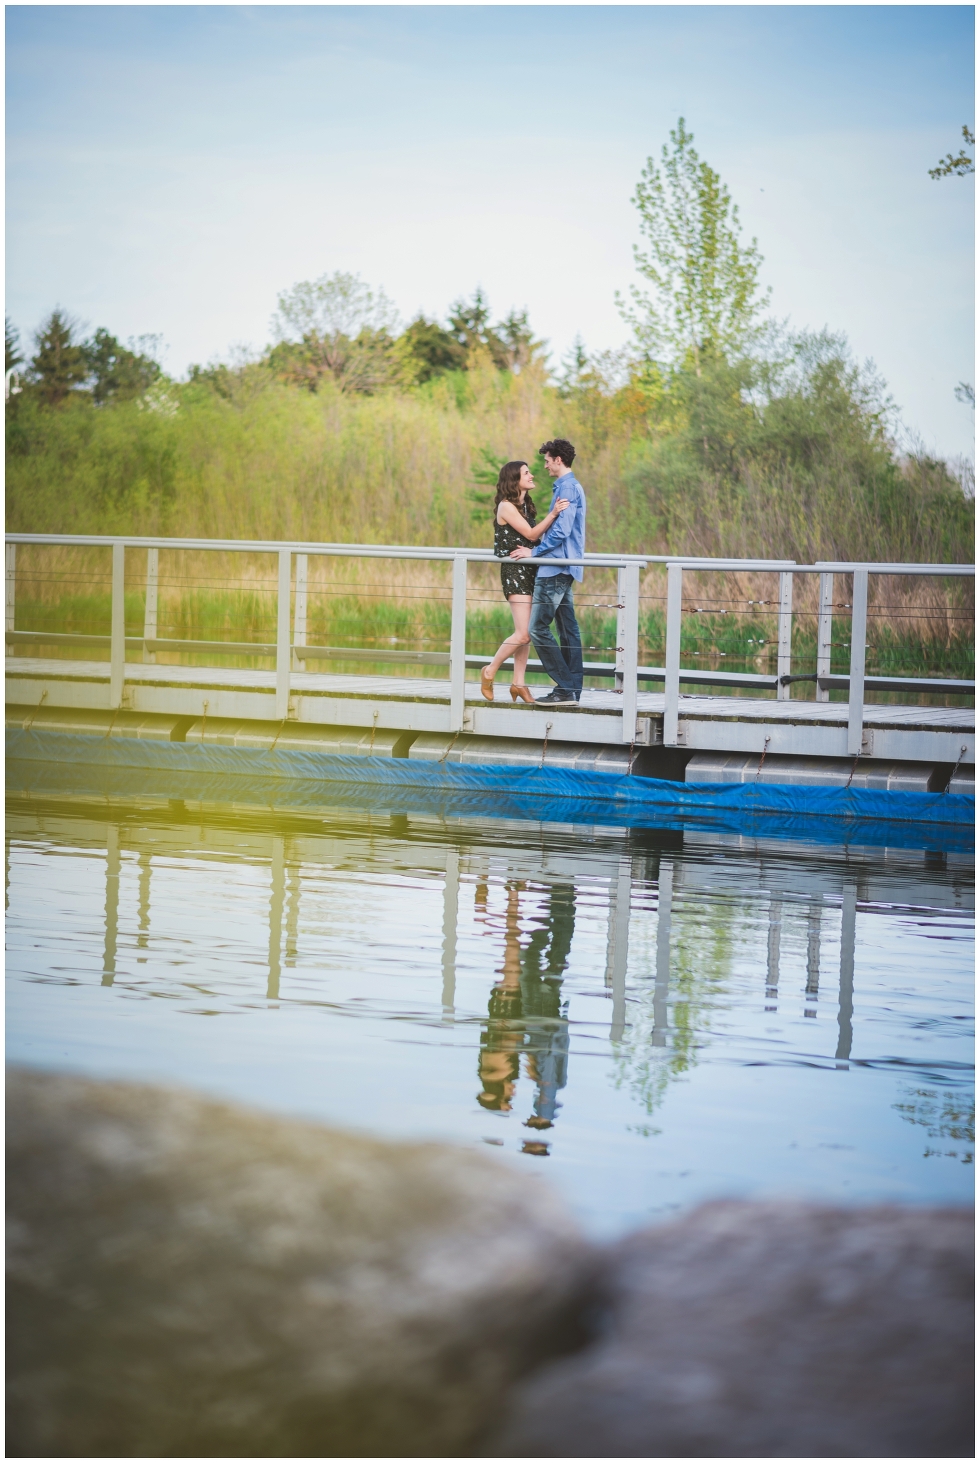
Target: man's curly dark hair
[(559, 447)]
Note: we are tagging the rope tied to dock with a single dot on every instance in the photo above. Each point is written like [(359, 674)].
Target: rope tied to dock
[(956, 765), (277, 735), (44, 697), (765, 748), (112, 720), (544, 748), (450, 747)]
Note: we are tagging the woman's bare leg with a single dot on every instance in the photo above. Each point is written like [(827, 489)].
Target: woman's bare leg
[(521, 608), (516, 644)]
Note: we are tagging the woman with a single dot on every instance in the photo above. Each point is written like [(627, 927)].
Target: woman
[(515, 527)]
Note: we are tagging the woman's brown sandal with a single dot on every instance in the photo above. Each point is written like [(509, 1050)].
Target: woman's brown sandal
[(521, 693), (486, 684)]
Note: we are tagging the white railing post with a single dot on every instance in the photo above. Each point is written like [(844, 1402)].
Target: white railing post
[(825, 630), (672, 658), (784, 635), (299, 607), (457, 646), (630, 641), (117, 641), (11, 585), (859, 632), (620, 627), (283, 651), (150, 610)]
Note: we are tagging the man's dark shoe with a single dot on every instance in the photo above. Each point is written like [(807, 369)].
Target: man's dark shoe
[(556, 695)]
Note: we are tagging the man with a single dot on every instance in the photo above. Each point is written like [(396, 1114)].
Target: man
[(553, 601)]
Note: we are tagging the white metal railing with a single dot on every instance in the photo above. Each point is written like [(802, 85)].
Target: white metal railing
[(291, 637)]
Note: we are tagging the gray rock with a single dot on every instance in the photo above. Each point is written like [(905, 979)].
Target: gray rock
[(770, 1330), (190, 1279)]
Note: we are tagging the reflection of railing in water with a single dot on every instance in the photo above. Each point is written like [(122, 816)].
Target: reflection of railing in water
[(848, 923), (285, 892)]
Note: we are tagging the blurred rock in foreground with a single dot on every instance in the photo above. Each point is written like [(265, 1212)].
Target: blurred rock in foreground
[(189, 1278), (770, 1330)]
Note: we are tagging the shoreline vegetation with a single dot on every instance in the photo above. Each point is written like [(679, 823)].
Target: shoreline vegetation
[(714, 432)]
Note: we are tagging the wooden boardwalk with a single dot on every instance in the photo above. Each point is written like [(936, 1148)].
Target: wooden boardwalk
[(627, 716), (422, 704)]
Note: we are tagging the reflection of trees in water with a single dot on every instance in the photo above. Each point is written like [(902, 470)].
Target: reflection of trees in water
[(526, 1016), (680, 968), (947, 1117)]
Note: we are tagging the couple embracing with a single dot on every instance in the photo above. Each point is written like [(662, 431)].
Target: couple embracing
[(539, 593)]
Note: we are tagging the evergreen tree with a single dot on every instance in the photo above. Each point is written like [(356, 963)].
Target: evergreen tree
[(58, 366), (469, 324), (519, 342), (431, 350), (12, 353)]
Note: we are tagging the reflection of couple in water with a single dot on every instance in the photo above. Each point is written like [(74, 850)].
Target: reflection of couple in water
[(526, 1015)]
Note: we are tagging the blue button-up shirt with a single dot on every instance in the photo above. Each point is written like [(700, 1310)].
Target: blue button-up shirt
[(565, 539)]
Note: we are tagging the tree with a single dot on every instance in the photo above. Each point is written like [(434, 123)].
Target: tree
[(117, 371), (430, 349), (469, 324), (521, 347), (335, 326), (705, 280), (960, 165), (13, 355), (59, 366)]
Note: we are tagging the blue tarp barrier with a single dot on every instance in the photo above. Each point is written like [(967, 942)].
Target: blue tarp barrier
[(222, 774)]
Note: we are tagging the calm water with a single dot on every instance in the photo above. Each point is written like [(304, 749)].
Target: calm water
[(648, 1016)]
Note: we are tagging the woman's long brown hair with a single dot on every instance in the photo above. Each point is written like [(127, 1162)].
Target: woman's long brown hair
[(509, 490)]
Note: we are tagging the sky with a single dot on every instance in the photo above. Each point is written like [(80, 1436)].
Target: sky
[(172, 169)]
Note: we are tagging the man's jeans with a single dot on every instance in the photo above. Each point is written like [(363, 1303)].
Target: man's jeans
[(553, 601)]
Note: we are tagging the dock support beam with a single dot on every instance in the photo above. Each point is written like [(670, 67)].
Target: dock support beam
[(784, 635), (283, 649), (457, 646), (825, 630), (150, 608), (117, 644), (672, 658), (859, 633)]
